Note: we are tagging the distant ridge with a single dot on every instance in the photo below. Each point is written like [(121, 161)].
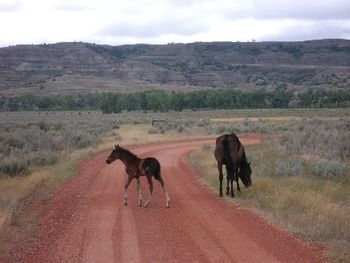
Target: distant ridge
[(79, 67)]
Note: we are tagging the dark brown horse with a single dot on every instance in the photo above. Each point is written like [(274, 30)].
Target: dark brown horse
[(136, 167), (230, 152)]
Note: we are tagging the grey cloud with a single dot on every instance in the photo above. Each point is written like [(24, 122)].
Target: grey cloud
[(182, 3), (75, 6), (314, 30), (311, 10), (291, 9), (154, 29), (11, 6)]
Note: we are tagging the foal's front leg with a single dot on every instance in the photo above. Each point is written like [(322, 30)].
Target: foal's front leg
[(126, 190)]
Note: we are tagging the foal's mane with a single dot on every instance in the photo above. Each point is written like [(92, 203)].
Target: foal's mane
[(128, 154)]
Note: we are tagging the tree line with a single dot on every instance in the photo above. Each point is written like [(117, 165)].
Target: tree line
[(163, 101)]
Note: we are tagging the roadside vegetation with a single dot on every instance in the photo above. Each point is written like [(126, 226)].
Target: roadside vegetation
[(40, 150), (300, 180)]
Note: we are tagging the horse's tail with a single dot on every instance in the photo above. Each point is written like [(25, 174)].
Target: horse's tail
[(228, 158)]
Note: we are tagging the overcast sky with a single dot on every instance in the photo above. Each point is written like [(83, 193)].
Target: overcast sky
[(118, 22)]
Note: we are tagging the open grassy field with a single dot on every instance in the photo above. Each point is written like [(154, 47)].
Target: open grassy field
[(41, 150), (301, 181)]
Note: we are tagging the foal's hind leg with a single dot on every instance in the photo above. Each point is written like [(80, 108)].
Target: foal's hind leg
[(139, 191), (167, 198), (150, 183)]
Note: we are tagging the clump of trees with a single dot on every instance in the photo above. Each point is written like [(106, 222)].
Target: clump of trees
[(163, 101)]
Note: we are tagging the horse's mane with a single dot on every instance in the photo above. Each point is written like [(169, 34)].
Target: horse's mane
[(227, 156), (244, 160)]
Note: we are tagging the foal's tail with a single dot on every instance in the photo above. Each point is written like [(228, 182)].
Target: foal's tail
[(155, 170), (157, 174), (228, 158)]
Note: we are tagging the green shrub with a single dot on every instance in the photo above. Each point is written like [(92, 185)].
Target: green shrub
[(41, 158), (291, 167), (13, 167), (152, 131), (323, 138), (330, 169), (115, 126), (208, 148), (37, 139)]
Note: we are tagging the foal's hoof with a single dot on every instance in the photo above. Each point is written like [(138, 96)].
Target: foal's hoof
[(220, 195)]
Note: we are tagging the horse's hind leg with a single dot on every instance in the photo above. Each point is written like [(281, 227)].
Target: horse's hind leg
[(235, 177), (220, 178), (238, 188), (231, 183), (150, 183), (228, 184), (139, 191)]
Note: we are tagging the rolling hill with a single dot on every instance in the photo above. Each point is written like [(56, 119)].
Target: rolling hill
[(66, 68)]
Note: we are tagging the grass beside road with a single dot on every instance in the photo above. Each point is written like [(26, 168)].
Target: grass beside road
[(315, 208), (15, 189), (50, 145)]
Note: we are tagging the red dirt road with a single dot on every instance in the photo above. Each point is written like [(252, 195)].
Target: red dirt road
[(88, 222)]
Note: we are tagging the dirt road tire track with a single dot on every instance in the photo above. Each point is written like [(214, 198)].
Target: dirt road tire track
[(88, 222)]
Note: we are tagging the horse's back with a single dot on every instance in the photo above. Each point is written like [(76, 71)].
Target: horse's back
[(219, 148), (229, 142)]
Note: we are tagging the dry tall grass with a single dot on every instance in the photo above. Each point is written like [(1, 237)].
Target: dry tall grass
[(135, 129)]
